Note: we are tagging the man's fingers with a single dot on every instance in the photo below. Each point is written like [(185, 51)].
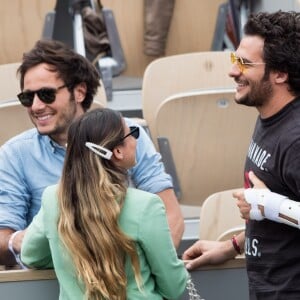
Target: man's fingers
[(238, 194), (191, 253), (195, 263), (257, 183)]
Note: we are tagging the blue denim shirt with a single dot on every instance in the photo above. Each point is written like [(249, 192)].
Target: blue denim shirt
[(30, 162)]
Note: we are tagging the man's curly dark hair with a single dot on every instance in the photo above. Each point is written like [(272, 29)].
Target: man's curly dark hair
[(281, 33)]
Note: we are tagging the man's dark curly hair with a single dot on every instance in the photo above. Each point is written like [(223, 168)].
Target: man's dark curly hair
[(70, 66), (281, 34)]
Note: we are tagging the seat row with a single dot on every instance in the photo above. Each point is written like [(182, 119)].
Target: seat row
[(189, 108)]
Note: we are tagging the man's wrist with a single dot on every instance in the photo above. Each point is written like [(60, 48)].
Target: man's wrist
[(11, 243), (11, 248), (233, 251), (256, 198), (236, 245), (230, 252)]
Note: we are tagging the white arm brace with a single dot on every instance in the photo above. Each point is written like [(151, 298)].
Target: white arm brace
[(277, 207)]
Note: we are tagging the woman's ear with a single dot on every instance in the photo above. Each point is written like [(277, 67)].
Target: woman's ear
[(118, 153), (80, 92)]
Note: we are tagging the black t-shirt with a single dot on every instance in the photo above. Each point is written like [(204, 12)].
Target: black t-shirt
[(273, 249)]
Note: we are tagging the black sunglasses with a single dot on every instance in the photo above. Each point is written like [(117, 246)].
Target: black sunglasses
[(47, 95), (134, 131)]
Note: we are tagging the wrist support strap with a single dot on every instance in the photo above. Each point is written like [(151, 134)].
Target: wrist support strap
[(254, 197), (277, 207)]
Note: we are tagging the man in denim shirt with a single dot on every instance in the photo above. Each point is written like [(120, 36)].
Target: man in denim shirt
[(57, 86)]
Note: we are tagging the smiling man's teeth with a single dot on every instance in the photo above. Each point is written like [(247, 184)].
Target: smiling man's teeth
[(241, 84), (43, 118)]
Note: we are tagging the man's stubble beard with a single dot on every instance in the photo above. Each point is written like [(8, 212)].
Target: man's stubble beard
[(259, 94)]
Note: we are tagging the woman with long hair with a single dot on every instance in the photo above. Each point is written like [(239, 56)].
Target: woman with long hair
[(104, 239)]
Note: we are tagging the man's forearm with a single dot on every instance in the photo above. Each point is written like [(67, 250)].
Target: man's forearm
[(176, 225), (174, 215)]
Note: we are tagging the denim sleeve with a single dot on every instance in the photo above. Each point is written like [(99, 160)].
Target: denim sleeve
[(149, 173), (14, 196)]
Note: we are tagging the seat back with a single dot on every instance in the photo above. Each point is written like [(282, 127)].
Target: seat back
[(180, 73), (220, 217), (208, 135), (10, 86), (14, 119)]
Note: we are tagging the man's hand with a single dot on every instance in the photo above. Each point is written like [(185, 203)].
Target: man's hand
[(257, 183), (208, 253), (241, 202)]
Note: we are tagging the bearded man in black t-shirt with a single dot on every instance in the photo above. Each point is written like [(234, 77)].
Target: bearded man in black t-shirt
[(266, 69)]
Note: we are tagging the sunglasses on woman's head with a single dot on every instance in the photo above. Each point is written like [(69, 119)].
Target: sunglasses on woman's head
[(47, 95)]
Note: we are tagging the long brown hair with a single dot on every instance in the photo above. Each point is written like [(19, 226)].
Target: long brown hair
[(91, 194)]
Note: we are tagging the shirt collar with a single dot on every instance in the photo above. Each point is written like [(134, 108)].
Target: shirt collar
[(54, 146)]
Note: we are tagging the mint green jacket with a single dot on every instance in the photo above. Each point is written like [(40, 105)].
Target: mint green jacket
[(143, 218)]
